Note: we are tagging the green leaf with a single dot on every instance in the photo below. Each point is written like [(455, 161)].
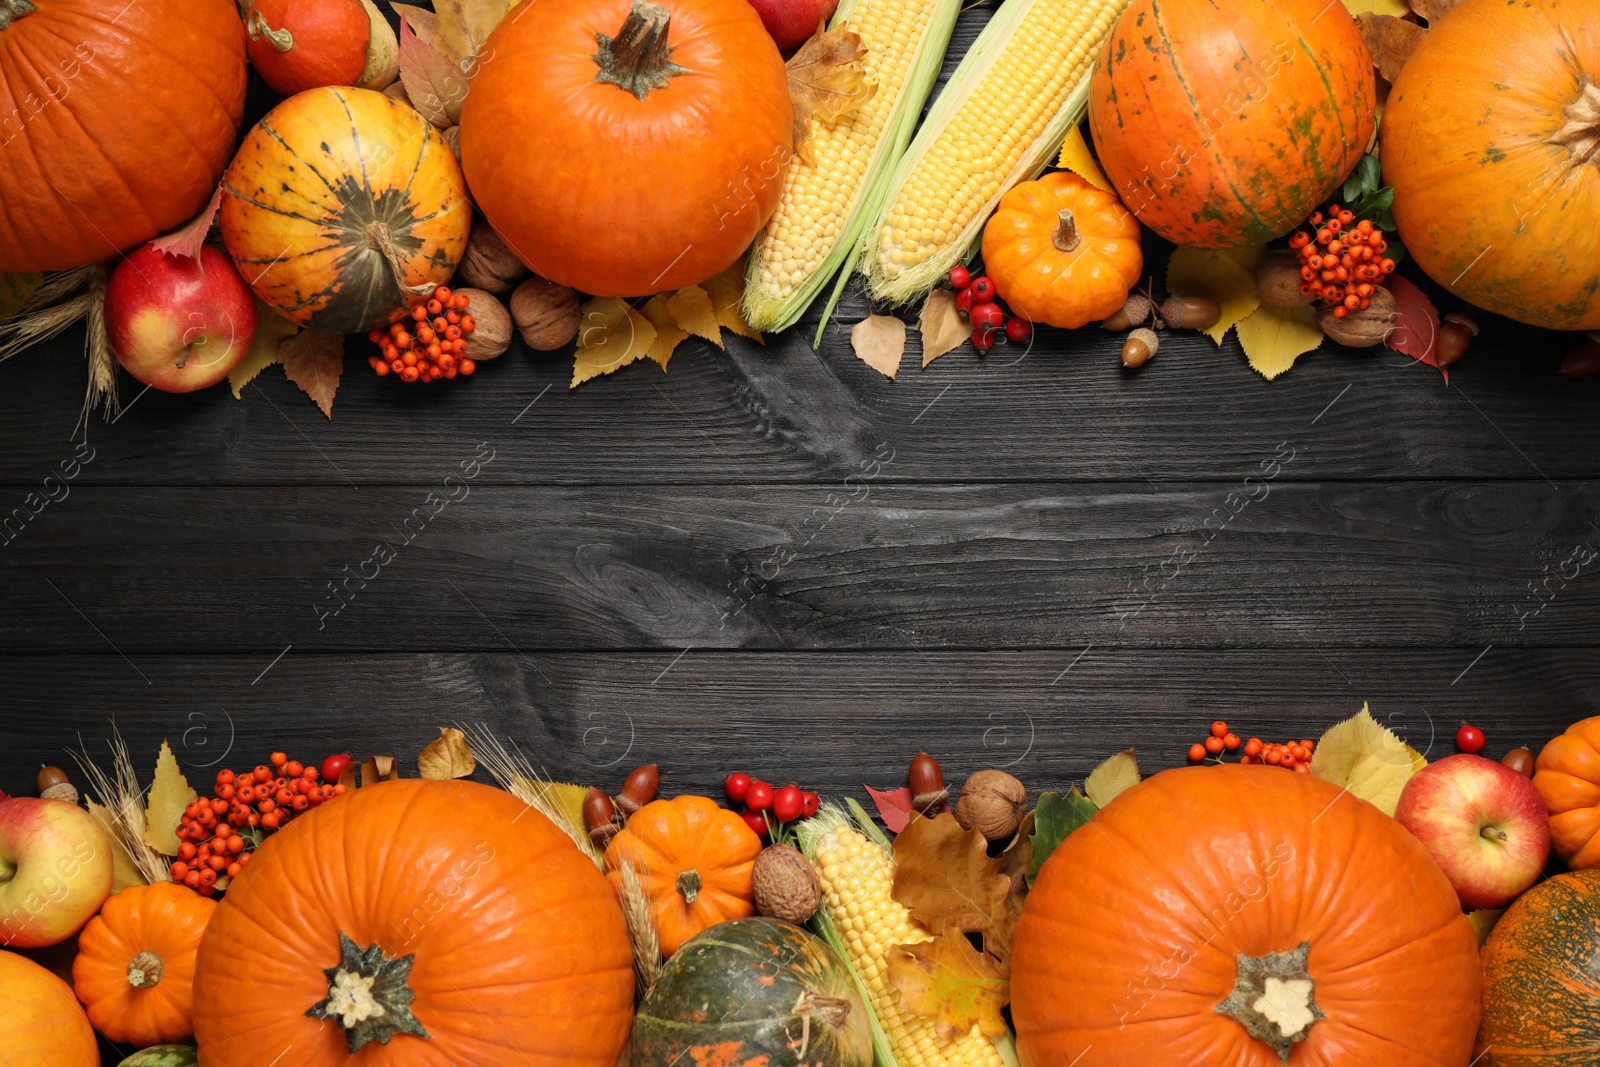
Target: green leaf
[(1383, 219), (1352, 190), (15, 292), (1371, 173), (1396, 250), (1054, 818)]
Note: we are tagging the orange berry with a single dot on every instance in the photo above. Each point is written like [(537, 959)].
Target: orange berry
[(1316, 218), (1252, 747), (468, 366), (1387, 266), (1324, 236), (452, 317), (234, 869), (1273, 756), (463, 300), (1340, 312), (419, 313), (1345, 215), (1231, 741), (192, 879), (1366, 302), (433, 307), (1219, 728), (1352, 301), (441, 293), (1302, 768), (1213, 745), (1197, 753), (380, 368)]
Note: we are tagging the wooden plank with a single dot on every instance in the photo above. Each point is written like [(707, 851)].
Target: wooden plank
[(869, 565), (830, 720)]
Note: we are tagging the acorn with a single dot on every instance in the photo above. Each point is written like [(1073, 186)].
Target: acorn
[(1140, 347), (599, 818), (786, 885), (1455, 334), (926, 779), (1190, 312), (1135, 311), (1520, 760), (52, 784), (993, 803), (1583, 358), (640, 788)]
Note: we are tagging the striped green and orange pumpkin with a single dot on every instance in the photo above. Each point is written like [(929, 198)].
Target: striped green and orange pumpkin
[(338, 200), (1541, 978), (1225, 124), (754, 993)]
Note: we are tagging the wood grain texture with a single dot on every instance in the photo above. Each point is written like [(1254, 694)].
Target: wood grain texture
[(1255, 563)]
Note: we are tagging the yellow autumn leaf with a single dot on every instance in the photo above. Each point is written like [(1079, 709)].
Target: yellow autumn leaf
[(669, 335), (1076, 157), (464, 26), (691, 309), (1116, 774), (15, 292), (447, 756), (170, 793), (952, 983), (1227, 276), (1273, 337), (727, 301), (1362, 757), (124, 872), (612, 335), (942, 326), (563, 798), (272, 329), (1397, 8), (880, 341)]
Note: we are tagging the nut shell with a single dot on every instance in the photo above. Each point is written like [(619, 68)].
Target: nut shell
[(492, 335), (1365, 328), (786, 885), (993, 803), (487, 263), (1278, 280), (546, 313)]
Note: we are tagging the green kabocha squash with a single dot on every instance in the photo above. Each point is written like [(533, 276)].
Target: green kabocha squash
[(753, 993), (1541, 978), (164, 1056)]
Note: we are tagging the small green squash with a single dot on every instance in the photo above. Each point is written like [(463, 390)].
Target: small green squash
[(164, 1056), (1541, 978), (753, 993)]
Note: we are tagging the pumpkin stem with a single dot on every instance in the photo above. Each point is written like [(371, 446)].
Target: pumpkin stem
[(12, 10), (380, 239), (1273, 998), (1066, 237), (689, 886), (1581, 134), (638, 59), (144, 970), (368, 995), (832, 1011), (282, 39)]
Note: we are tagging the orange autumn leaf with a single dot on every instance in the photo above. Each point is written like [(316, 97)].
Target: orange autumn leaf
[(879, 342), (187, 240), (827, 81), (952, 983), (314, 361), (1390, 40), (946, 879)]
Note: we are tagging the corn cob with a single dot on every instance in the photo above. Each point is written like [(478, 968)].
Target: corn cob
[(1023, 84), (826, 204), (861, 920)]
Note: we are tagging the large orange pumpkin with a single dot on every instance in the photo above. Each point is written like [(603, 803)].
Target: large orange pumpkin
[(476, 926), (695, 862), (624, 147), (337, 200), (1227, 124), (115, 122), (1567, 776), (134, 970), (1491, 139), (40, 1021), (1243, 917)]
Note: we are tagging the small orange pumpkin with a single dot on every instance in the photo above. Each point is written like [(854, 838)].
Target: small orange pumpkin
[(337, 202), (1062, 252), (695, 861), (297, 45), (1567, 776), (135, 966), (40, 1022)]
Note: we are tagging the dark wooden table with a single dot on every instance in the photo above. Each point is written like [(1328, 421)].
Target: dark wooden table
[(773, 559)]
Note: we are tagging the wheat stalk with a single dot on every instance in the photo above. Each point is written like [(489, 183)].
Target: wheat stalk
[(120, 793), (516, 775), (102, 390), (35, 327), (641, 920), (57, 286)]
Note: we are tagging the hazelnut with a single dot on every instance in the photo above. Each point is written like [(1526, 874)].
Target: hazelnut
[(1190, 312), (1363, 329), (1136, 310), (492, 335), (1279, 282), (488, 264), (397, 91), (452, 138), (546, 313), (1141, 345), (786, 885), (993, 803)]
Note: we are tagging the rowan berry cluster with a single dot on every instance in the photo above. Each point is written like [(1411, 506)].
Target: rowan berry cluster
[(427, 340), (1291, 755), (1343, 261)]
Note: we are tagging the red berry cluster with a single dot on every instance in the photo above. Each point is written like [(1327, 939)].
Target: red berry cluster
[(1341, 264), (979, 301), (427, 340), (1292, 755), (216, 833), (764, 805)]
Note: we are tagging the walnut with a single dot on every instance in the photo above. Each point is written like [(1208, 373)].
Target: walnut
[(1278, 280), (492, 335), (488, 264), (1363, 329), (786, 885), (546, 313), (993, 803), (397, 91)]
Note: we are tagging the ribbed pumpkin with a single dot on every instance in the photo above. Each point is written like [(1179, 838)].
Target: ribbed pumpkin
[(164, 1056), (1227, 124), (1567, 776), (40, 1022), (1243, 917), (134, 970), (115, 122), (488, 939), (739, 993), (336, 200), (1494, 155), (1541, 978), (624, 147)]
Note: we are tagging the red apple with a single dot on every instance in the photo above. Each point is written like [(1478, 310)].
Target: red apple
[(177, 323), (1484, 825), (55, 870), (792, 22)]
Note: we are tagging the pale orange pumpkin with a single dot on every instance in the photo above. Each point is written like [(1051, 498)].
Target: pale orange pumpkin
[(40, 1021), (134, 970), (695, 862)]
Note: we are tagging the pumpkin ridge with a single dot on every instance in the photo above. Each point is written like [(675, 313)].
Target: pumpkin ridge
[(253, 202), (287, 147), (355, 137)]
